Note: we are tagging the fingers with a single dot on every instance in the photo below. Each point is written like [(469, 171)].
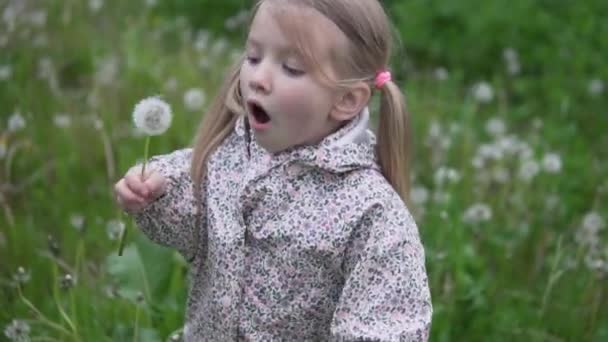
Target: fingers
[(133, 194)]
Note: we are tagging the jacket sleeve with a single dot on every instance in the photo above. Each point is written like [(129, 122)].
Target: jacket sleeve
[(386, 295), (171, 219)]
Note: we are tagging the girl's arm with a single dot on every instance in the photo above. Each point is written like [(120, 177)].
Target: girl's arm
[(171, 219), (386, 296)]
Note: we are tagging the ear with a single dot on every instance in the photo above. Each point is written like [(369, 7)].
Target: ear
[(351, 101)]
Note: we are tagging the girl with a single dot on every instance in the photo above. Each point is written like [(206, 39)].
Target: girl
[(290, 211)]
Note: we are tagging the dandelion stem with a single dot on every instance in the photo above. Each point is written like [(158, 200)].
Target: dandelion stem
[(146, 150), (40, 316)]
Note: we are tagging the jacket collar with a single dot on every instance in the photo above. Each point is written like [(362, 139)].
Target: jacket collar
[(349, 148)]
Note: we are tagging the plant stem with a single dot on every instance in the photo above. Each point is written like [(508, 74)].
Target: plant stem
[(146, 150)]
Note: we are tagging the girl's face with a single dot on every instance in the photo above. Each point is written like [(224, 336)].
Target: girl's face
[(285, 102)]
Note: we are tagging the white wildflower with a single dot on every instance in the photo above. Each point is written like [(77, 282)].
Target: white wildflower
[(114, 229), (38, 18), (107, 71), (95, 5), (593, 222), (170, 85), (16, 122), (528, 169), (5, 72), (77, 221), (446, 174), (202, 40), (552, 163), (17, 330), (478, 212), (62, 120), (219, 47), (596, 87), (478, 162), (22, 276), (441, 74), (483, 92), (490, 151), (152, 115), (419, 195), (435, 130), (500, 175), (194, 99), (512, 60), (496, 127)]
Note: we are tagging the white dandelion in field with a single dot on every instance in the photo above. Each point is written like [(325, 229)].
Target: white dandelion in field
[(77, 221), (107, 71), (5, 72), (62, 120), (419, 195), (175, 337), (595, 87), (477, 213), (446, 175), (114, 229), (441, 74), (152, 115), (511, 58), (500, 175), (194, 99), (170, 85), (17, 330), (588, 233), (95, 5), (483, 92), (67, 282), (37, 18), (22, 275), (219, 47), (202, 40), (528, 170), (552, 163), (16, 122), (496, 127)]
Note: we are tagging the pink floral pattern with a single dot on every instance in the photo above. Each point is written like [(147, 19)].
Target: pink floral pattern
[(310, 244)]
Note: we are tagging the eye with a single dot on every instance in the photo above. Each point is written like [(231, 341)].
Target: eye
[(291, 71), (252, 60)]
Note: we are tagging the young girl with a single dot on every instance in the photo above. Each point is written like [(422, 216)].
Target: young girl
[(290, 211)]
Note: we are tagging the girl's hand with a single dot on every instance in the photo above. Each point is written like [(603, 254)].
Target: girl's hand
[(133, 193)]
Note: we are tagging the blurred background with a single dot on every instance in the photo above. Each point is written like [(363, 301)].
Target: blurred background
[(509, 105)]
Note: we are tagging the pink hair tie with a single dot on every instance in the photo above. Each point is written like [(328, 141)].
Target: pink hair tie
[(381, 78)]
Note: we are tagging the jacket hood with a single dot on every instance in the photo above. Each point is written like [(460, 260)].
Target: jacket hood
[(350, 148)]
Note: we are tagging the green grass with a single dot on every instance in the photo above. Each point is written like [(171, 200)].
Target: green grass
[(522, 275)]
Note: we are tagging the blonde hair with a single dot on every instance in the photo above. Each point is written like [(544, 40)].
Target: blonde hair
[(367, 27)]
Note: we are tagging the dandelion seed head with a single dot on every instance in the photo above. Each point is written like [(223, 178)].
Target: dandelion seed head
[(552, 163), (95, 5), (194, 99), (16, 122), (77, 221), (152, 115), (419, 195), (528, 170), (17, 330), (596, 87), (114, 228), (67, 282), (175, 338), (441, 74), (5, 72), (496, 127), (477, 213), (483, 92), (22, 276), (62, 120)]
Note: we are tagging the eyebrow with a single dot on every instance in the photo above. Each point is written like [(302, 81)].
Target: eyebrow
[(286, 49)]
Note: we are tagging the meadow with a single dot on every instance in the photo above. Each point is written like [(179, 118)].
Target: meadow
[(509, 109)]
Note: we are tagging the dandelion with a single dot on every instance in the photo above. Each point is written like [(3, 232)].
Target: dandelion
[(202, 40), (528, 170), (194, 99), (95, 5), (67, 282), (171, 84), (16, 122), (17, 330), (107, 71), (22, 276), (512, 59), (588, 232), (114, 228), (496, 127), (152, 115), (595, 87), (175, 337), (477, 213), (441, 74), (552, 163), (420, 195), (62, 120), (77, 221), (446, 174), (5, 72), (38, 18), (483, 92)]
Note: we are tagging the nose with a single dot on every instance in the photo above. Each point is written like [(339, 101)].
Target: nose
[(261, 79)]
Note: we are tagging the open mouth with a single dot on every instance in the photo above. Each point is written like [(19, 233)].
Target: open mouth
[(258, 112)]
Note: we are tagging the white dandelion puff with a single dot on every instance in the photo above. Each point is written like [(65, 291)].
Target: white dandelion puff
[(496, 127), (419, 195), (77, 221), (114, 229), (552, 163), (17, 330), (5, 72), (194, 99), (152, 115), (95, 5), (476, 213), (62, 120), (16, 122), (595, 87), (441, 74), (483, 92), (528, 170)]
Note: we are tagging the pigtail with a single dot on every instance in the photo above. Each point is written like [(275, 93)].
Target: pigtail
[(393, 145)]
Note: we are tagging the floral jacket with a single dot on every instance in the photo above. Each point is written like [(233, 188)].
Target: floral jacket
[(309, 244)]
